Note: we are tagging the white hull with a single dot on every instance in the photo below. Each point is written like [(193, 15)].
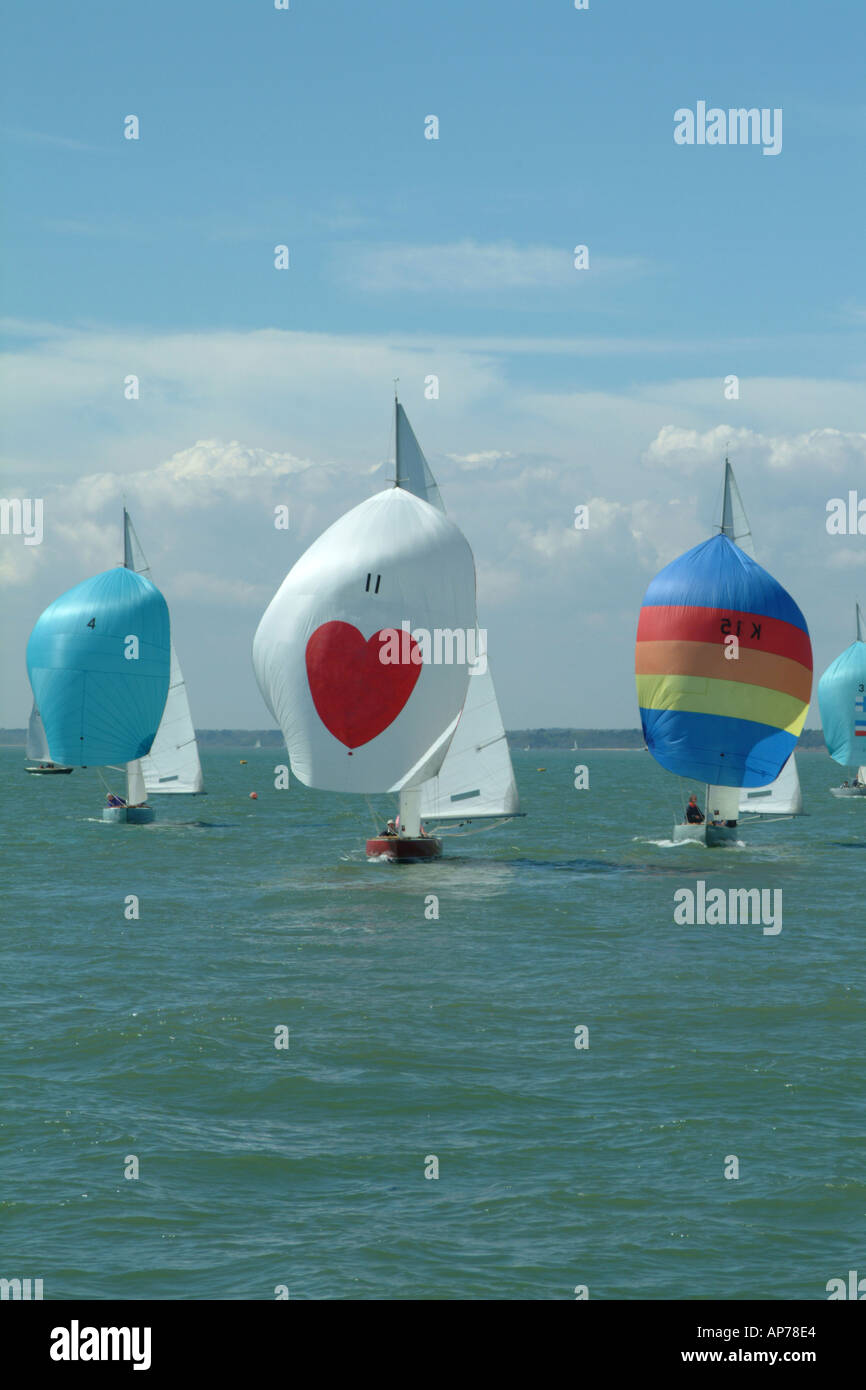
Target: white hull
[(848, 791)]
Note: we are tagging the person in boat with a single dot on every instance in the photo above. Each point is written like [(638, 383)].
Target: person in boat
[(694, 814), (844, 784), (114, 800), (390, 829)]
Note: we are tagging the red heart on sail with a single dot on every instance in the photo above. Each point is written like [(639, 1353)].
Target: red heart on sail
[(356, 694)]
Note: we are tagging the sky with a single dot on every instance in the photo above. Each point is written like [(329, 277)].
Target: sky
[(410, 258)]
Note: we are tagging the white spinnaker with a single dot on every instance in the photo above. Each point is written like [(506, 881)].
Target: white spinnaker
[(390, 560), (173, 763), (782, 797), (37, 743), (476, 779)]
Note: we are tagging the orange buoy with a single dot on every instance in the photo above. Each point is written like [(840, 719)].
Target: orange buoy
[(243, 762), (254, 796)]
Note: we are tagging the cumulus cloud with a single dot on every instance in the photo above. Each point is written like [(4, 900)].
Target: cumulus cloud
[(231, 424)]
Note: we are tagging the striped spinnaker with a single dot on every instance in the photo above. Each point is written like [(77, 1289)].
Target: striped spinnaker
[(713, 710)]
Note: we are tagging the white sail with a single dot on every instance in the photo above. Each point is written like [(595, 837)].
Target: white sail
[(136, 792), (173, 763), (410, 812), (723, 803), (476, 779), (37, 743), (735, 523), (353, 721), (413, 471), (782, 797)]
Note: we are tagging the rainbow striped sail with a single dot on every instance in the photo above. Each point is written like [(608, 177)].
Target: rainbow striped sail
[(707, 714)]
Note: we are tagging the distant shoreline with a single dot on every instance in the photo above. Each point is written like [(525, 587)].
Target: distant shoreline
[(519, 740)]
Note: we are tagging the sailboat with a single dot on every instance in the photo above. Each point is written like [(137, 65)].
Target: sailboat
[(475, 785), (724, 673), (173, 763), (351, 659), (37, 748), (842, 701), (783, 796), (98, 660)]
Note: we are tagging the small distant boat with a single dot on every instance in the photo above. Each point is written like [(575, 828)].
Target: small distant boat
[(98, 660), (724, 674), (423, 729), (842, 701), (37, 749)]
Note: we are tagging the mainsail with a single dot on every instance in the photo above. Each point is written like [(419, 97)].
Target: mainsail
[(476, 780), (98, 661), (173, 763), (783, 796), (842, 701), (37, 743), (722, 721)]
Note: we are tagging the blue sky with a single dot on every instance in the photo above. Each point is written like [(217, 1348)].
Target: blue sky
[(411, 256)]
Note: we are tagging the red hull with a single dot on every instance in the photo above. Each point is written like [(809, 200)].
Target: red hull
[(401, 848)]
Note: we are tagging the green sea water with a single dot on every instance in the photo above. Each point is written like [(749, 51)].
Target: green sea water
[(413, 1035)]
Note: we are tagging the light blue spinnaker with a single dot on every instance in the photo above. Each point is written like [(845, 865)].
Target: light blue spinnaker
[(842, 701), (100, 702)]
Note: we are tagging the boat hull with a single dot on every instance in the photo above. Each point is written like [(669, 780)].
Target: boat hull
[(404, 850), (128, 815), (848, 791), (48, 771), (710, 835)]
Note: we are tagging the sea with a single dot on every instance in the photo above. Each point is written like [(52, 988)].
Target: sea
[(242, 1062)]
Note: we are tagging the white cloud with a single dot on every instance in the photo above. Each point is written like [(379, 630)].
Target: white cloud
[(488, 458), (470, 265), (230, 424)]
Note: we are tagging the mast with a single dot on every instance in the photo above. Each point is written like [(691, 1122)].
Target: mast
[(859, 626)]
